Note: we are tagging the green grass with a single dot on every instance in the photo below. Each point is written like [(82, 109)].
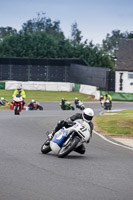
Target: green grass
[(45, 95), (123, 111), (116, 124)]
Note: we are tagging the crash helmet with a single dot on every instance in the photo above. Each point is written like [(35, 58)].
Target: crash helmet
[(33, 101), (19, 88), (2, 98), (76, 98), (87, 114), (101, 97)]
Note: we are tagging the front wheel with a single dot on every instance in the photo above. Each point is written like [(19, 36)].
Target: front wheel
[(40, 108), (16, 111), (45, 148), (72, 108), (68, 148)]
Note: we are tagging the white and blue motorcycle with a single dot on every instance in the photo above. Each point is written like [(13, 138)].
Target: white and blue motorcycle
[(67, 139)]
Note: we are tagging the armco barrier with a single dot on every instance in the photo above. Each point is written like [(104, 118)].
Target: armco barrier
[(53, 86)]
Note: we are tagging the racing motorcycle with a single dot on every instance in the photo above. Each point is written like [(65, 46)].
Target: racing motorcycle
[(68, 106), (17, 104), (107, 104), (102, 103), (80, 105), (36, 106), (67, 139)]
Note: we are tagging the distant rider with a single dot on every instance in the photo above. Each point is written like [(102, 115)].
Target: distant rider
[(102, 100), (2, 101), (21, 92), (34, 105), (107, 96), (63, 101), (76, 101), (87, 115), (31, 104)]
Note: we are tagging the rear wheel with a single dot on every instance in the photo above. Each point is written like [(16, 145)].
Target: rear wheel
[(45, 148), (68, 148)]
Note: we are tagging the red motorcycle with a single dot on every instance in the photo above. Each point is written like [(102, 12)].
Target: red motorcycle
[(35, 106), (17, 104)]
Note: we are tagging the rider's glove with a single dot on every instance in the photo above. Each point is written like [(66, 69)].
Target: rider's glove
[(50, 136)]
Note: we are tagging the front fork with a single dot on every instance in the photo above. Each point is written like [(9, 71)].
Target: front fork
[(69, 138)]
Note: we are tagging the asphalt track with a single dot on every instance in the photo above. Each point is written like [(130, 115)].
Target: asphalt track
[(105, 172)]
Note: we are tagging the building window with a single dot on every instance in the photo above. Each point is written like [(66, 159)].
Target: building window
[(130, 75)]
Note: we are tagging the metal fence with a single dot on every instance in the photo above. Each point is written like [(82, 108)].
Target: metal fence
[(54, 70)]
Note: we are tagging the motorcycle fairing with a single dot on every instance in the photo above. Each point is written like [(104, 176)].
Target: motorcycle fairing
[(60, 136)]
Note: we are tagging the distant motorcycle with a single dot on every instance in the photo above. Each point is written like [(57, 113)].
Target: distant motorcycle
[(102, 103), (80, 105), (68, 106), (107, 104), (67, 139), (35, 106), (17, 104)]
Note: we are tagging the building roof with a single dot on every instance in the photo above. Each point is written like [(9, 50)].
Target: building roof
[(43, 61), (125, 55)]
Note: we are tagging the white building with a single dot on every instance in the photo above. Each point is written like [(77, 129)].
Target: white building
[(124, 67)]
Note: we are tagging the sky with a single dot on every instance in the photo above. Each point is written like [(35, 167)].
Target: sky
[(95, 18)]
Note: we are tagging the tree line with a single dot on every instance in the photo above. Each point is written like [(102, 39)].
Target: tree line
[(41, 37)]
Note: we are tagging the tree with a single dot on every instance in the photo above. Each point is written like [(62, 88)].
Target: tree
[(110, 44), (75, 34), (7, 31), (42, 24)]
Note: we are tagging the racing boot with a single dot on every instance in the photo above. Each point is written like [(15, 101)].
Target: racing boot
[(80, 149)]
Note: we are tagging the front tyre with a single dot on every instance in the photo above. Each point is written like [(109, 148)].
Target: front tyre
[(45, 148), (40, 108), (65, 150), (16, 111)]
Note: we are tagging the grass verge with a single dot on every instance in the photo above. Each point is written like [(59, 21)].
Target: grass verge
[(46, 95), (120, 124)]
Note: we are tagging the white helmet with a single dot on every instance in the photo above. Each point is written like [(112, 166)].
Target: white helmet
[(19, 88), (87, 114), (2, 98), (33, 101)]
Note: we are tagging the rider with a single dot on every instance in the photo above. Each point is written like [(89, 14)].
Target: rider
[(87, 115), (2, 101), (34, 105), (102, 100), (31, 104), (76, 101), (21, 92), (63, 103), (107, 96)]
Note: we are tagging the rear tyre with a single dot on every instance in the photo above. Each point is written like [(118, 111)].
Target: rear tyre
[(73, 108), (65, 150), (45, 148)]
